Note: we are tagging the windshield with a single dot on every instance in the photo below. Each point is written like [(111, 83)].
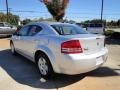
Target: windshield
[(1, 25), (96, 25), (7, 25), (69, 29)]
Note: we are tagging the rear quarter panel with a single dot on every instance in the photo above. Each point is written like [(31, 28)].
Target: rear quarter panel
[(51, 46)]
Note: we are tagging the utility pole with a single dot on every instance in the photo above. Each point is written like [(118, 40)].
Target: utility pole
[(102, 10), (102, 6), (7, 9)]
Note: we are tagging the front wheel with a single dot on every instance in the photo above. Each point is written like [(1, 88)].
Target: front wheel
[(44, 66), (12, 48)]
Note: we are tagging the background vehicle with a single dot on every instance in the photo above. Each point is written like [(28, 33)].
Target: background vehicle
[(6, 29), (59, 47), (95, 28)]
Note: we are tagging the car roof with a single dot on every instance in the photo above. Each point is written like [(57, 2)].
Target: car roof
[(49, 23)]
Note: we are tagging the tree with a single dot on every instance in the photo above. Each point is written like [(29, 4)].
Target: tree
[(56, 8), (118, 22), (3, 17), (26, 21), (95, 21), (13, 19)]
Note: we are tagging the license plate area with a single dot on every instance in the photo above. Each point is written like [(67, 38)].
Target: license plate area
[(99, 60)]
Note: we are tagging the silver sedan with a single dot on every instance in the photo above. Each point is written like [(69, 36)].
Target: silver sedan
[(59, 47)]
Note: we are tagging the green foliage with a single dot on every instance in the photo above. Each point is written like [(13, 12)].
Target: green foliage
[(95, 21), (12, 19), (56, 8), (113, 23), (109, 32), (42, 19), (3, 17), (26, 21), (110, 24)]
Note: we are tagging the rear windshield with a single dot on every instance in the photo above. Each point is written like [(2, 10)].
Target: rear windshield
[(69, 29), (95, 25)]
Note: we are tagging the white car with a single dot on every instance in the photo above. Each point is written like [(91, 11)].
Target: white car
[(96, 28), (6, 29), (60, 48)]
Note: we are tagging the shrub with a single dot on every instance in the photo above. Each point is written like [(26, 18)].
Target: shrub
[(115, 35), (109, 32)]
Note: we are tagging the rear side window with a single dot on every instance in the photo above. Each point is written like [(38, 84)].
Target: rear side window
[(69, 29), (34, 29)]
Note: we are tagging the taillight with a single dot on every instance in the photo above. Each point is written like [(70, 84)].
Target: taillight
[(71, 47)]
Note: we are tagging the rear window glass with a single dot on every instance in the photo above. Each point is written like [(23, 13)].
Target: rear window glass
[(99, 25), (95, 25), (69, 29)]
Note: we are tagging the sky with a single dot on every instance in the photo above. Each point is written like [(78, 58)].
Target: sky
[(78, 10)]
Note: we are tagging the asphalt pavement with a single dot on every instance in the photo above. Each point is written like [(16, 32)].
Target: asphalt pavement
[(18, 73)]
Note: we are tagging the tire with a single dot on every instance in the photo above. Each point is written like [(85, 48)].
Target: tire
[(12, 48), (44, 66)]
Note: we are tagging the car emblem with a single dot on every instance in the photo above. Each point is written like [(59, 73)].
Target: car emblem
[(86, 49)]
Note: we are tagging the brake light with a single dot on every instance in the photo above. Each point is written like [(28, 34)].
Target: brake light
[(71, 47)]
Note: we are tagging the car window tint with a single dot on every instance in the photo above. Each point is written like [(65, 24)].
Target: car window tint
[(95, 25), (58, 29), (92, 25), (34, 30), (1, 25), (69, 29), (23, 31)]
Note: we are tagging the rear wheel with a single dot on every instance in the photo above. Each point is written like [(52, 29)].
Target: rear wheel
[(12, 48), (44, 66)]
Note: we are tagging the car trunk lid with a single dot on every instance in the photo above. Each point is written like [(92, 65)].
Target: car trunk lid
[(90, 43)]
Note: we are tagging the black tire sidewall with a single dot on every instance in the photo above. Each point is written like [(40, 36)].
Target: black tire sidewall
[(11, 44)]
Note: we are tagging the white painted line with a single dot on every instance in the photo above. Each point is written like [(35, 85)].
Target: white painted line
[(3, 49)]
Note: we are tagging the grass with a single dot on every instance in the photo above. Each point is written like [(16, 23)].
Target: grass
[(109, 32)]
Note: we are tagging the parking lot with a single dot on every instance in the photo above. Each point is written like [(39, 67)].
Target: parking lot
[(18, 73)]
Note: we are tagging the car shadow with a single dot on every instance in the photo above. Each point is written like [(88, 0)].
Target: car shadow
[(25, 72), (112, 41), (103, 72), (4, 37)]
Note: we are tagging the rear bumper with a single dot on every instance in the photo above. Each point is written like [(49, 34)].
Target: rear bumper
[(80, 63)]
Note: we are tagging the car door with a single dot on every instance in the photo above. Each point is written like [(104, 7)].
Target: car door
[(19, 39), (31, 40)]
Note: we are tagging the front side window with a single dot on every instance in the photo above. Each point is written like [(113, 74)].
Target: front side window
[(69, 29), (23, 31)]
